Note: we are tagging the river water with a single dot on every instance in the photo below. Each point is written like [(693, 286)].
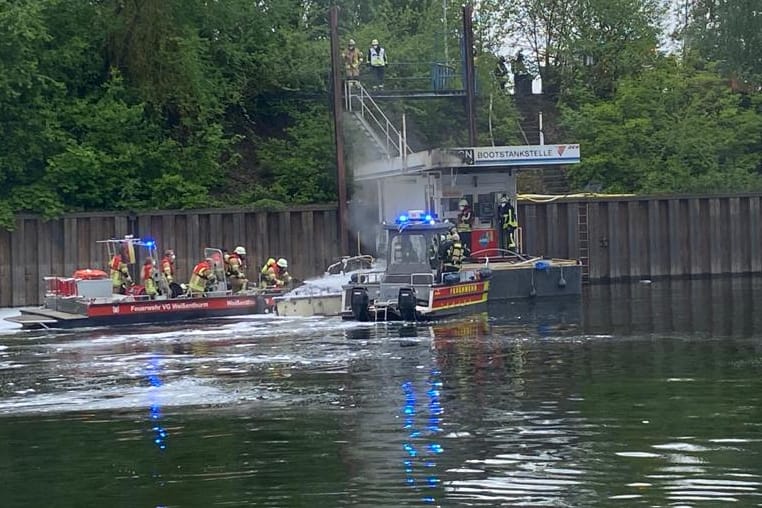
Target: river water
[(634, 395)]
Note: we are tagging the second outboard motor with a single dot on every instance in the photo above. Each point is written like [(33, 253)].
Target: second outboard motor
[(406, 302), (359, 302)]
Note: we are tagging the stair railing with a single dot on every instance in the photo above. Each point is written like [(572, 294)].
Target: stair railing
[(358, 100)]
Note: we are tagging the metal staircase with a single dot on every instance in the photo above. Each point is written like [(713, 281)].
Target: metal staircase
[(369, 117)]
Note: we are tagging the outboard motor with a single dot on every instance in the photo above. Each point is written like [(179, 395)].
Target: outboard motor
[(406, 301), (359, 303)]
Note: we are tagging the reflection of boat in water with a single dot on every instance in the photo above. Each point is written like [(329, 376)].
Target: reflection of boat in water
[(87, 298), (414, 287)]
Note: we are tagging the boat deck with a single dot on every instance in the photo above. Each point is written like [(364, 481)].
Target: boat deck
[(40, 316)]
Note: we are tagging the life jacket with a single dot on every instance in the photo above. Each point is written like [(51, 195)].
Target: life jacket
[(465, 218), (167, 268), (120, 275), (456, 253), (235, 265), (201, 273), (148, 281), (377, 57)]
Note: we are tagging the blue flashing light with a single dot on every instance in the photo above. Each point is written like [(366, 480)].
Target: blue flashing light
[(403, 218), (428, 218)]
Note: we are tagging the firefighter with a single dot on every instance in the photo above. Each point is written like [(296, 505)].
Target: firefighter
[(168, 266), (147, 278), (465, 223), (203, 275), (283, 278), (120, 274), (236, 269), (508, 224), (453, 251), (267, 274), (352, 60)]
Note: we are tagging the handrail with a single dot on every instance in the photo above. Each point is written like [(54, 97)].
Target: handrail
[(371, 110)]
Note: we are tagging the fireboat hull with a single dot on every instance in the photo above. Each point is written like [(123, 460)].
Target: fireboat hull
[(366, 302), (534, 278), (60, 313)]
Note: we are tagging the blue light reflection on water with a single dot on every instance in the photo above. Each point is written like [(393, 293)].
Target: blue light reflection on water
[(421, 447), (159, 432)]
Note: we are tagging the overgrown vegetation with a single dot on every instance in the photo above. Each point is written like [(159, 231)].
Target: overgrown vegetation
[(144, 104)]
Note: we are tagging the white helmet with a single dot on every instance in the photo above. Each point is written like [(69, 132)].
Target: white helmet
[(503, 200), (283, 263), (241, 251), (463, 202)]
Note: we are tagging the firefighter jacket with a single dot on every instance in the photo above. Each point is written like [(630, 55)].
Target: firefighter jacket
[(377, 56), (202, 274), (120, 275)]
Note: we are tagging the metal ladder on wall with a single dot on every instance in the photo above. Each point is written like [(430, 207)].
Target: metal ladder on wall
[(584, 241), (359, 102)]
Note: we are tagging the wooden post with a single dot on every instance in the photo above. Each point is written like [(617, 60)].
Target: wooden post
[(469, 74), (336, 83)]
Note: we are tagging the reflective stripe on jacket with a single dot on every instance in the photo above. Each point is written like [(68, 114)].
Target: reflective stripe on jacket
[(377, 58)]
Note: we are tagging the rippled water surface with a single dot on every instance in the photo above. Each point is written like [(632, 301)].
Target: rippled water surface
[(634, 395)]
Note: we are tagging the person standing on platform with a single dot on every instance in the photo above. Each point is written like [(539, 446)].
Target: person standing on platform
[(352, 60), (465, 224), (508, 224), (377, 62)]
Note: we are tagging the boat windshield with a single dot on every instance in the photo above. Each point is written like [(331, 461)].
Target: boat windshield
[(409, 249)]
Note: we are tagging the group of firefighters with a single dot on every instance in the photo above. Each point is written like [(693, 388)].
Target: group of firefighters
[(376, 59), (455, 246), (205, 275)]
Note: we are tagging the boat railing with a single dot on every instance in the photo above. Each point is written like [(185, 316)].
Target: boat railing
[(494, 252)]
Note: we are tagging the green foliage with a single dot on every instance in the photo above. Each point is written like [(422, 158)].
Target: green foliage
[(728, 32), (129, 105), (670, 130), (268, 205)]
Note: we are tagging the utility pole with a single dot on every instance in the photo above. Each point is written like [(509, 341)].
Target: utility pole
[(341, 173), (469, 73), (444, 19)]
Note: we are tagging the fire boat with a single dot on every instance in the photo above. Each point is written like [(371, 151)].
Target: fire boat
[(86, 298), (416, 285)]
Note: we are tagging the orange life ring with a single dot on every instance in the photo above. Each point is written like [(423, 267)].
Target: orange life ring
[(90, 274)]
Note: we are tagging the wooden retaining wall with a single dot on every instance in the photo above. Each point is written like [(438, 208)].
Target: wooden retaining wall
[(649, 237), (306, 236), (616, 238)]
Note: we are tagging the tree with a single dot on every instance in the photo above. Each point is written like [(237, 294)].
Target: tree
[(671, 129), (579, 47), (728, 32)]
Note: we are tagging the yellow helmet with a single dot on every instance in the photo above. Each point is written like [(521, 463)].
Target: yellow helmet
[(271, 262)]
